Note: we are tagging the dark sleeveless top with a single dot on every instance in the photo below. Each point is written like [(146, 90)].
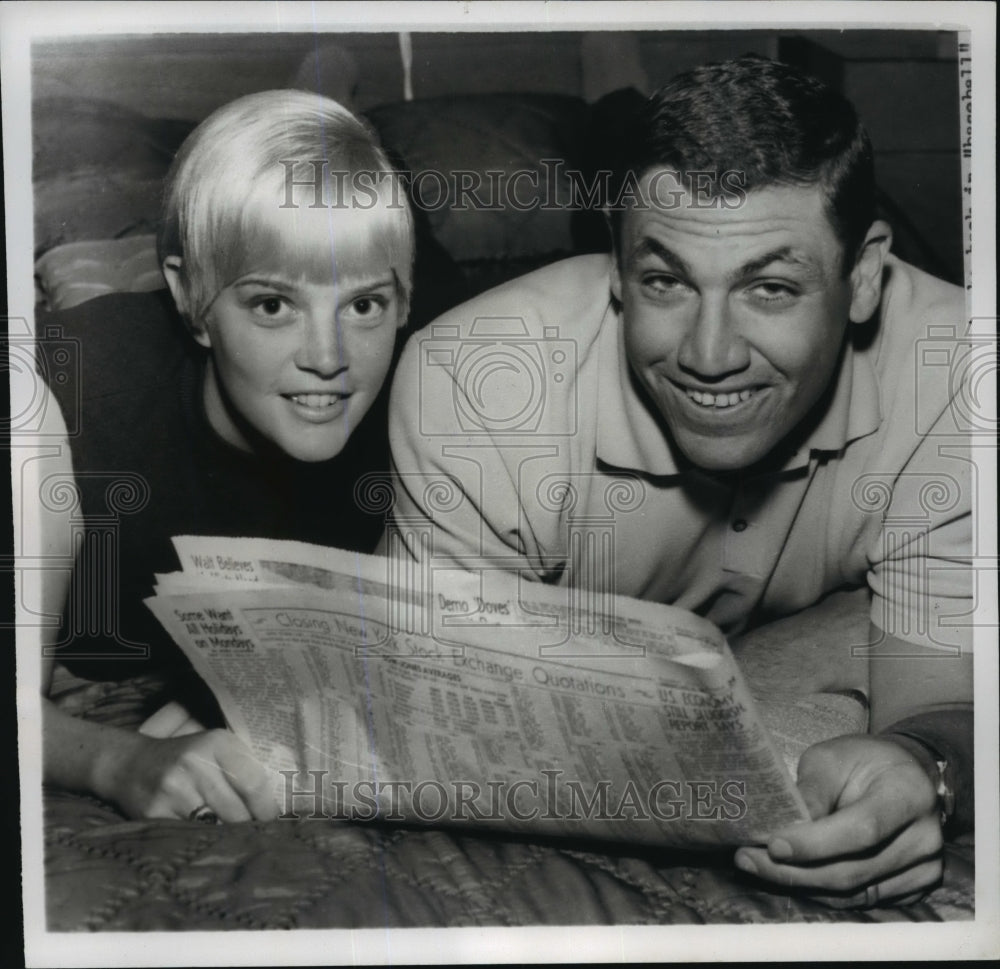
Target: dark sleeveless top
[(148, 466)]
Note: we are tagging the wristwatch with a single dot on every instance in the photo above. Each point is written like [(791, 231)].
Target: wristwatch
[(944, 786), (945, 791), (941, 741)]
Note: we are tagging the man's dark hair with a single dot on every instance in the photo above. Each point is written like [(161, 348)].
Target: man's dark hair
[(767, 121)]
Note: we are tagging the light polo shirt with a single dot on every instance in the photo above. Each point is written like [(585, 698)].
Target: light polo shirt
[(521, 441)]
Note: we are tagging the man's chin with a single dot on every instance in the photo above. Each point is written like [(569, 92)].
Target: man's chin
[(722, 454)]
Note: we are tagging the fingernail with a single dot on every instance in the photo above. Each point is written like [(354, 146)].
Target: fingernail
[(779, 849), (745, 864)]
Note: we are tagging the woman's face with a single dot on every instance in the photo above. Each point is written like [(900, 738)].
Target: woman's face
[(298, 357), (297, 364)]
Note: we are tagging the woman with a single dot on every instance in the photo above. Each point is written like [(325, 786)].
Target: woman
[(248, 402)]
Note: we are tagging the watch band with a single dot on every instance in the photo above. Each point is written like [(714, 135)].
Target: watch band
[(944, 784), (945, 734)]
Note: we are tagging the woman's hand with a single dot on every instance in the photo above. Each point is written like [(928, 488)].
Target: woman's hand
[(174, 777), (875, 836)]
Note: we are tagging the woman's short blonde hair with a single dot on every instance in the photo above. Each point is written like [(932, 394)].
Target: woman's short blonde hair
[(238, 181)]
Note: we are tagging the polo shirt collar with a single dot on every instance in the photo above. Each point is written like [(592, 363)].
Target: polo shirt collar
[(629, 432), (854, 410), (630, 435)]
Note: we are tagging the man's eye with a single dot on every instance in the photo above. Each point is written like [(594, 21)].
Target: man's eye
[(662, 284), (773, 292)]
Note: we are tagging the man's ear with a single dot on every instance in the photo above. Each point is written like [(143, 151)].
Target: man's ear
[(616, 275), (173, 272), (866, 276), (616, 278)]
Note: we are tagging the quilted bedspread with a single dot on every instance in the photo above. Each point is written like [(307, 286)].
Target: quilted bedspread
[(106, 873)]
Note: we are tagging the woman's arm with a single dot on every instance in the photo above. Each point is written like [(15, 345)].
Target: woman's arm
[(53, 461), (151, 777), (144, 776)]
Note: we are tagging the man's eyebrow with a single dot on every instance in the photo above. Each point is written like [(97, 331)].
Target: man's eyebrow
[(650, 246), (784, 254), (653, 247)]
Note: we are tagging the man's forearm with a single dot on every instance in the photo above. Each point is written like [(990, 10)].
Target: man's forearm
[(811, 651), (923, 699), (908, 679), (944, 743)]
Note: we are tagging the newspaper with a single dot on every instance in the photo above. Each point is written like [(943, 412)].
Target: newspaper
[(477, 699)]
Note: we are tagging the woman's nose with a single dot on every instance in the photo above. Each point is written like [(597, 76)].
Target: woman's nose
[(321, 349)]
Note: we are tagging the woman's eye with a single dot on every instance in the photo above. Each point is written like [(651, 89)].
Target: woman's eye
[(270, 306), (367, 307)]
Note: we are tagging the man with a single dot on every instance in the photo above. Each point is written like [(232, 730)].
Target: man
[(745, 362)]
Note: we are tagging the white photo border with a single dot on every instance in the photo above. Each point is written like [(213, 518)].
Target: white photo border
[(22, 22)]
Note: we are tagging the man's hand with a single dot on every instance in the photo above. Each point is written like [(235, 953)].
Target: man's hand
[(172, 777), (875, 834)]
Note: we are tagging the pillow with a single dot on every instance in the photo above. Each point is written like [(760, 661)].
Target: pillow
[(436, 137), (94, 205), (98, 169), (71, 134), (78, 271)]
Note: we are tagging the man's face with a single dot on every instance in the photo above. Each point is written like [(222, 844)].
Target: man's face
[(734, 318)]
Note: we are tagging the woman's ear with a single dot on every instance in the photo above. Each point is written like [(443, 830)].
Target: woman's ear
[(866, 276), (403, 301), (173, 272)]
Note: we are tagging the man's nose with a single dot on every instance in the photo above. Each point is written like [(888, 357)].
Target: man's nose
[(321, 348), (712, 347)]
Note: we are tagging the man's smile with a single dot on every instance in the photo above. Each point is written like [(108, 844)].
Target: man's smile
[(716, 408), (718, 400)]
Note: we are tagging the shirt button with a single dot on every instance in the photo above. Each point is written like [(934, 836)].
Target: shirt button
[(740, 525)]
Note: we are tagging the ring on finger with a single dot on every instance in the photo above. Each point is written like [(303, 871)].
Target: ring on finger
[(871, 896), (203, 814)]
